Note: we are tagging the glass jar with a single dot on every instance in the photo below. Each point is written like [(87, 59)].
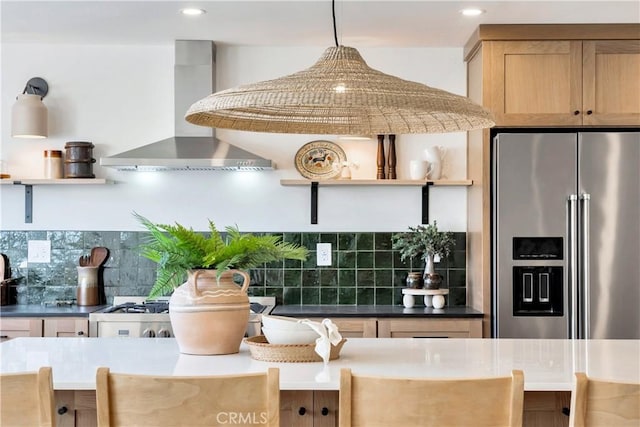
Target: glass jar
[(52, 164)]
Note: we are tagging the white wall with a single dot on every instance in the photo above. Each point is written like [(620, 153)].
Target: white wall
[(121, 97)]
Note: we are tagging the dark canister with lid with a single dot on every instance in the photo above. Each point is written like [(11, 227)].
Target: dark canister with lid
[(78, 161)]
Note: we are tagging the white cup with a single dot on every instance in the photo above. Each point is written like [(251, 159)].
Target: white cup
[(419, 169)]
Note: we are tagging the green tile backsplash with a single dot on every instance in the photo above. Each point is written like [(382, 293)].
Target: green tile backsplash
[(365, 269)]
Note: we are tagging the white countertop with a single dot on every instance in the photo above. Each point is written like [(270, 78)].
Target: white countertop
[(547, 364)]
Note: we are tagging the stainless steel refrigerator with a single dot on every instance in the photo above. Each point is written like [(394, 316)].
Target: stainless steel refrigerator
[(566, 235)]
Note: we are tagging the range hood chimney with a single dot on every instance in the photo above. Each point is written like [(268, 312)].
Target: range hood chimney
[(193, 147)]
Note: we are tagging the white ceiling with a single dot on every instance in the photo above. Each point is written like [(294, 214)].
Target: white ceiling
[(288, 23)]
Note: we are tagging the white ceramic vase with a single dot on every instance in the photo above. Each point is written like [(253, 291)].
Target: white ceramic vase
[(435, 156)]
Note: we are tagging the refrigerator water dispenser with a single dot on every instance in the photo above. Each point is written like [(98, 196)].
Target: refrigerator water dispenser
[(537, 291)]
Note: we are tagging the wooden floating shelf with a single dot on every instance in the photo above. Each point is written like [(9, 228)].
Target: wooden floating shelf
[(314, 185), (28, 184), (64, 181), (375, 182)]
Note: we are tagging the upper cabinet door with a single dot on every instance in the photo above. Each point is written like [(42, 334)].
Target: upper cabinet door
[(536, 83), (611, 76)]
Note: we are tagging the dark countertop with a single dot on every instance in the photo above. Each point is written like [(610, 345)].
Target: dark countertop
[(373, 311), (39, 310)]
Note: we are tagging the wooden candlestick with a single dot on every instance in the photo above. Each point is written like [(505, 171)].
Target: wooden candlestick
[(381, 160), (392, 157)]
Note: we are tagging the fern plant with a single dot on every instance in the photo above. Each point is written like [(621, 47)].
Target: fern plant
[(177, 249)]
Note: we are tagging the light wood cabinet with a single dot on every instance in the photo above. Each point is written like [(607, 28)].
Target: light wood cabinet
[(76, 408), (393, 327), (308, 408), (430, 328), (535, 82), (564, 83), (539, 76), (611, 82), (13, 327), (300, 408), (546, 408), (354, 327), (66, 327)]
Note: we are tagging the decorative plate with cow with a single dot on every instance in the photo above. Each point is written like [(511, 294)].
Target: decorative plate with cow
[(318, 160)]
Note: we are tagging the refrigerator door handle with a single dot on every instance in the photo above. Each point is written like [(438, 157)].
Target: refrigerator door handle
[(585, 199), (572, 233)]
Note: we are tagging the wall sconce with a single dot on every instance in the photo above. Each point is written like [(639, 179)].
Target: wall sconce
[(29, 114)]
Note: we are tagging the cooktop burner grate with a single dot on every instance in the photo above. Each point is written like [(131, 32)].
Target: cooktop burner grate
[(145, 307)]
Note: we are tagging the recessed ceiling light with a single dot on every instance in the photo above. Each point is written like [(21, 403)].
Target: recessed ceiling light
[(472, 12), (192, 11)]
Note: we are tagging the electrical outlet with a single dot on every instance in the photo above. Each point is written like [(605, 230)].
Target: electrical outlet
[(323, 254), (39, 251)]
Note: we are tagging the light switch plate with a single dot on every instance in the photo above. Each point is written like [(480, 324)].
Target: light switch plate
[(39, 251), (323, 254)]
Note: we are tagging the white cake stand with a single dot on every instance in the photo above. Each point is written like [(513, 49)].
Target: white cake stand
[(432, 297)]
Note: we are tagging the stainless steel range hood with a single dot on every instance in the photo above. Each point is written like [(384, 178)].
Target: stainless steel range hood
[(193, 147)]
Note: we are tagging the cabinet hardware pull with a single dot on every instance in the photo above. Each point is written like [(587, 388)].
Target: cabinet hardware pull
[(4, 336), (62, 410), (589, 112), (325, 411), (575, 113), (302, 410), (80, 332)]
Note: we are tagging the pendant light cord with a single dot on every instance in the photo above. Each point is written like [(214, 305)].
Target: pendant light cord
[(333, 11)]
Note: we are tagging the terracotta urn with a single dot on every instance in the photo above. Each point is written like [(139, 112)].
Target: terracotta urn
[(210, 316)]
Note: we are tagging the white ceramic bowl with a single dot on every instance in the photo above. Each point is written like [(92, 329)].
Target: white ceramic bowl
[(284, 336), (285, 323)]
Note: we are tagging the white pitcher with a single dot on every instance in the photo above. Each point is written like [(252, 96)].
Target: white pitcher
[(435, 156)]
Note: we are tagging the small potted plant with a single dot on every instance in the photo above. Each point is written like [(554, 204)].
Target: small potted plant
[(424, 242), (209, 312)]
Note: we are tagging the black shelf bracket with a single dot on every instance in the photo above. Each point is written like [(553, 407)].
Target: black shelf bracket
[(314, 202), (425, 202), (28, 203)]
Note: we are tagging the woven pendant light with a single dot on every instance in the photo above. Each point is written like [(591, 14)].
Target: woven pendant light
[(340, 94)]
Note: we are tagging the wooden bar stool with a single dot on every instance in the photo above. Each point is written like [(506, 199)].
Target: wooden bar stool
[(147, 400), (604, 403), (404, 402), (26, 399)]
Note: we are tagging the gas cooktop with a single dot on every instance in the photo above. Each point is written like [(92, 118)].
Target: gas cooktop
[(128, 304), (133, 316)]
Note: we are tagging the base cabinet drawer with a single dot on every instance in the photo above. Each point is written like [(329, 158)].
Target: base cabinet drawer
[(14, 327), (429, 328), (66, 327), (57, 327), (354, 327)]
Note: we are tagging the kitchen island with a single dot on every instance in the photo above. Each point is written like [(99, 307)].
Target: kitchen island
[(548, 365)]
